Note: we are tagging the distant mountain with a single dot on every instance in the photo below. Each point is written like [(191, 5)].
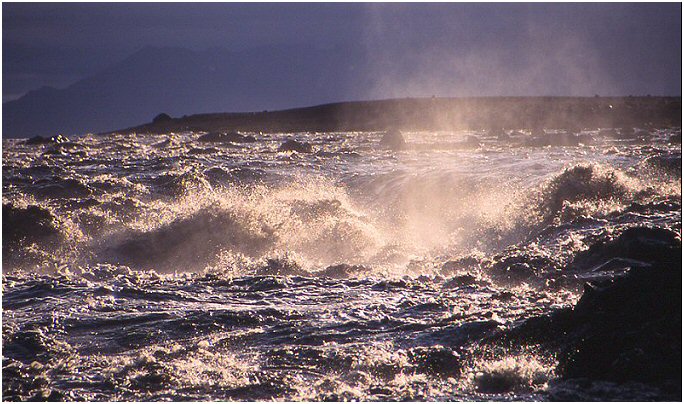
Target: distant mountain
[(180, 81)]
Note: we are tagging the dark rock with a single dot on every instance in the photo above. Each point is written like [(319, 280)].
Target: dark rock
[(393, 139), (59, 139), (520, 267), (295, 146), (464, 263), (161, 118), (173, 184), (436, 361), (380, 390), (627, 329), (518, 271), (504, 296), (636, 243), (163, 144), (281, 267), (464, 280), (230, 137), (54, 152), (341, 271), (46, 140)]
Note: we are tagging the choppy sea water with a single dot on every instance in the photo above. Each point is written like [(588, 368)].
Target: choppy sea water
[(160, 267)]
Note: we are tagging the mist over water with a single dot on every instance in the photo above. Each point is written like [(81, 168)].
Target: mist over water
[(149, 267)]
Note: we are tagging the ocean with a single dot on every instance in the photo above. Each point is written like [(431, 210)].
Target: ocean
[(461, 266)]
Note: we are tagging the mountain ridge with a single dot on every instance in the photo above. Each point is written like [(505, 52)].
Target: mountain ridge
[(179, 80)]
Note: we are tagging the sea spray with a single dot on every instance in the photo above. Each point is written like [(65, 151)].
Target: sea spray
[(158, 271)]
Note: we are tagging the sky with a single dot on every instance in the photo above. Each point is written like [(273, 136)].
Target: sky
[(412, 49)]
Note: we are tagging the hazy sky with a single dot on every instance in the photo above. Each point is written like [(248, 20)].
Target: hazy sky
[(450, 49)]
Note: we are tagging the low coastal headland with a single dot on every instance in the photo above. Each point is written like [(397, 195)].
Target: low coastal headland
[(483, 113)]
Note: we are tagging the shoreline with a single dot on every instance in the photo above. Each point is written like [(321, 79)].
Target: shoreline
[(474, 113)]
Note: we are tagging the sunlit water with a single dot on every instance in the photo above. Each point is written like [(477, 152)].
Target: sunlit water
[(159, 267)]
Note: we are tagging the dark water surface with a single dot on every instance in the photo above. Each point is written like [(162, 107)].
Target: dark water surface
[(145, 267)]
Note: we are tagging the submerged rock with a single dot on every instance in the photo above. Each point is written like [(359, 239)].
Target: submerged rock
[(393, 139), (295, 146)]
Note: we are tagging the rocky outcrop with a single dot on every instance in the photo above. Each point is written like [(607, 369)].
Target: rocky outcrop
[(648, 245), (625, 329), (629, 329)]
